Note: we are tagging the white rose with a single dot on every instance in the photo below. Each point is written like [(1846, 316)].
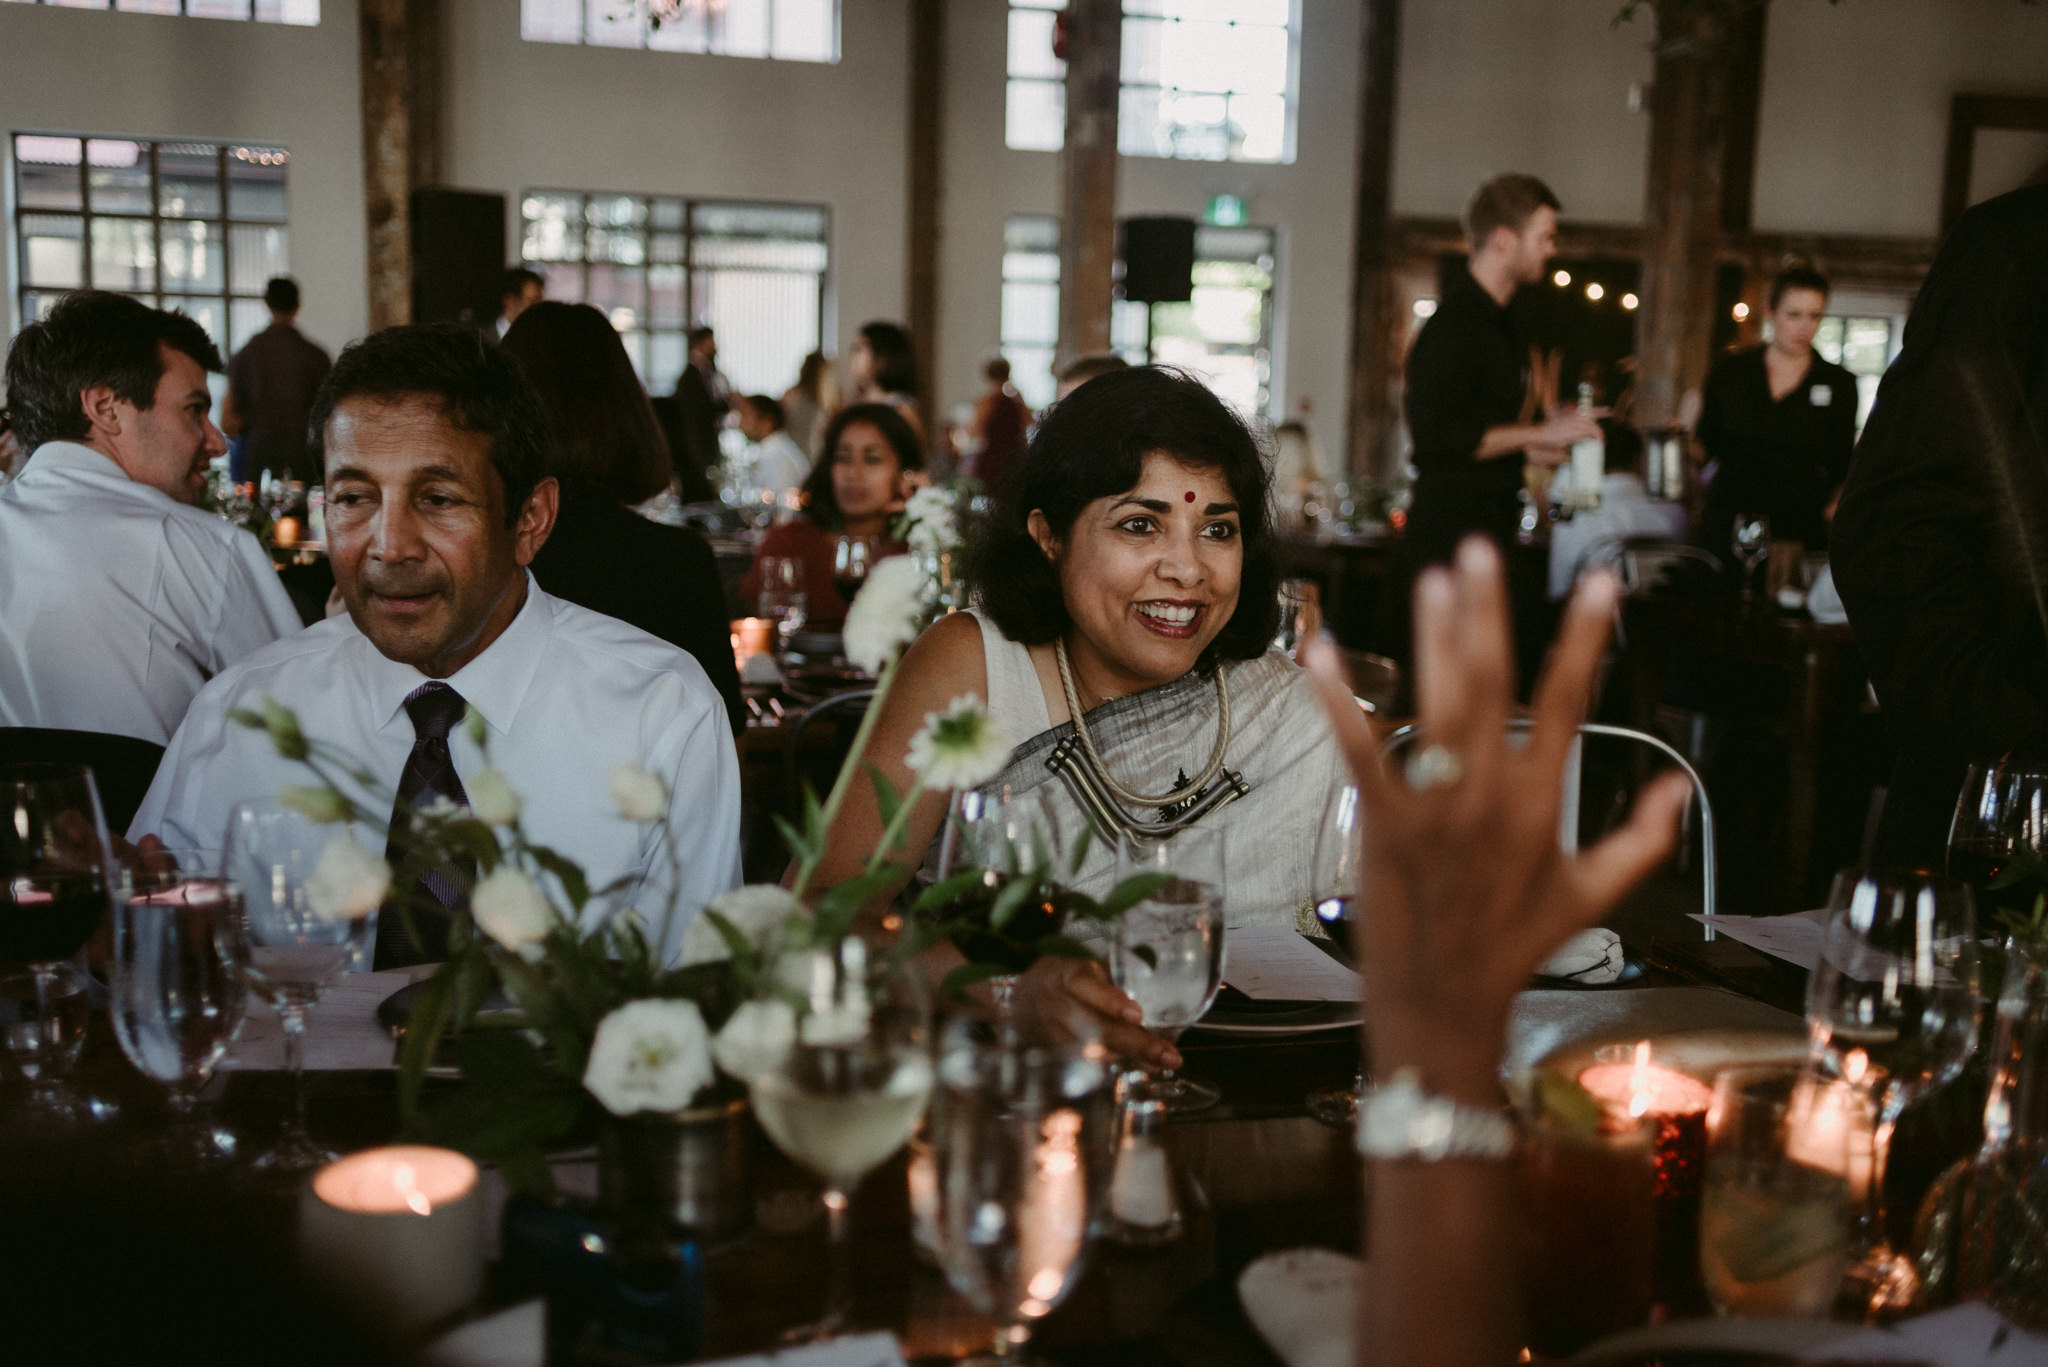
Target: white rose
[(758, 911), (650, 1055), (640, 793), (348, 882), (491, 797), (509, 907), (755, 1039), (887, 614), (958, 748)]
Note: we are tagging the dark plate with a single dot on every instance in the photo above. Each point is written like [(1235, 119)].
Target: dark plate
[(1236, 1014), (395, 1011)]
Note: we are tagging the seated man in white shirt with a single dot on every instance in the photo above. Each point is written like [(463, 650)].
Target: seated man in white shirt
[(1593, 537), (434, 451), (118, 597), (779, 463)]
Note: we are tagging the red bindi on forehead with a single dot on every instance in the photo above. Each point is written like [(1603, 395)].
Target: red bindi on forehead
[(1189, 496)]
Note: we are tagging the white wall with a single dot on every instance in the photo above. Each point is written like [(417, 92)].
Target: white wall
[(1855, 104), (78, 71), (520, 115)]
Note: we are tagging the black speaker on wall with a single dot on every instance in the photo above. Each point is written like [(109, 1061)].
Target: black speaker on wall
[(1159, 260), (458, 255)]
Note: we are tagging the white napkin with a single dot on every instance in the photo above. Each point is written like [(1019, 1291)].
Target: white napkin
[(760, 669), (1824, 601), (1303, 1301), (1591, 956)]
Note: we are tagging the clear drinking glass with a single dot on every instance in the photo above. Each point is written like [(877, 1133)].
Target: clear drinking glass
[(57, 876), (782, 599), (1893, 1008), (2000, 834), (849, 1092), (1015, 1131), (287, 951), (1752, 545), (1167, 951), (1775, 1209), (852, 558), (175, 998), (1335, 884)]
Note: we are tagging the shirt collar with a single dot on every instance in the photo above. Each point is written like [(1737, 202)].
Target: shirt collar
[(1466, 284), (494, 683), (77, 456)]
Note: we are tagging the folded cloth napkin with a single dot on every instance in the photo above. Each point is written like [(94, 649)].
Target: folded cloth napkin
[(1591, 956), (1824, 601), (1302, 1302)]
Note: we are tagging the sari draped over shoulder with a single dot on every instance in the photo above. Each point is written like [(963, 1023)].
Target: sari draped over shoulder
[(1281, 762)]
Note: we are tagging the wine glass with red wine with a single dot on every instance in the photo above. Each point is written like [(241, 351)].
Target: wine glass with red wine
[(57, 876), (1335, 887), (1998, 841), (852, 558)]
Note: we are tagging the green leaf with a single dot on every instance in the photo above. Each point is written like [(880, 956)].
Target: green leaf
[(947, 891), (423, 1030), (1010, 901), (1130, 892), (1067, 947), (473, 982), (1082, 844), (800, 849), (887, 799), (574, 884), (966, 975), (1145, 955)]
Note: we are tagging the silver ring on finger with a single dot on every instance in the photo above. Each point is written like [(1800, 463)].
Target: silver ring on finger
[(1433, 766)]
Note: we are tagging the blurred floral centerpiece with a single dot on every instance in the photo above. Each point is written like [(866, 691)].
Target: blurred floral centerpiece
[(930, 526)]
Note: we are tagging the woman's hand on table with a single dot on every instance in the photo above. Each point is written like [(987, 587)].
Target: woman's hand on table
[(1467, 889)]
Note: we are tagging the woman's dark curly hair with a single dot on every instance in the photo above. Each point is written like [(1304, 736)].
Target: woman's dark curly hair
[(1092, 444), (821, 501)]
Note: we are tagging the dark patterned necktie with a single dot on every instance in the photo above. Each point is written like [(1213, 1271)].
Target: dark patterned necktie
[(435, 709)]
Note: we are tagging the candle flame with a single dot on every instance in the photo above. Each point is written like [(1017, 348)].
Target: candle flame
[(406, 1183), (1854, 1065)]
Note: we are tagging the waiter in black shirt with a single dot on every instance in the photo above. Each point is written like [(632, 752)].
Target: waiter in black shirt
[(1470, 403)]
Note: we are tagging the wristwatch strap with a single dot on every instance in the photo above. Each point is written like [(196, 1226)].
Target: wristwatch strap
[(1398, 1120)]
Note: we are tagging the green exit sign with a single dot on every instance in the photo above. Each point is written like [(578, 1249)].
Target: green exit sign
[(1226, 211)]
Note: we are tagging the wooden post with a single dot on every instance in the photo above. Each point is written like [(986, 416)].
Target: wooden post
[(394, 149), (927, 122), (1088, 165), (1375, 348)]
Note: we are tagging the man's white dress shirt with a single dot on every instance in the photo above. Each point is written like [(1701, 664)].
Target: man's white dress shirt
[(568, 694), (779, 463), (117, 602), (1593, 537)]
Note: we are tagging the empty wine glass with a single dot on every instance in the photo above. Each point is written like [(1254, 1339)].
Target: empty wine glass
[(852, 558), (57, 875), (286, 943), (1014, 1134), (1752, 544), (1167, 951), (175, 998), (849, 1091), (1892, 1007), (782, 599), (1335, 885)]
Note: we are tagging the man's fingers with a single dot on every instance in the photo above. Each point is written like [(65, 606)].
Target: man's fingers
[(1606, 872)]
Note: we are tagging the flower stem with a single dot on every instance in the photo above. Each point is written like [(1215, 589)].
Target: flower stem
[(837, 797), (893, 833)]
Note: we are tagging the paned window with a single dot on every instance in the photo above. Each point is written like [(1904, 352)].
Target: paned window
[(1224, 333), (787, 30), (199, 226), (1864, 347), (1203, 80), (305, 12), (658, 266)]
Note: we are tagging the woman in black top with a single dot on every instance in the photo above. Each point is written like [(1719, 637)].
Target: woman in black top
[(608, 454), (1778, 424)]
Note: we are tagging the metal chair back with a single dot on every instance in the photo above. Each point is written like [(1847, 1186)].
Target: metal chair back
[(845, 707)]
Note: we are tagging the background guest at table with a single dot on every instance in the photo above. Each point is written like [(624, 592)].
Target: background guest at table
[(271, 384), (1082, 369), (435, 452), (809, 404), (1298, 462), (519, 289), (1002, 427), (119, 599), (1592, 538), (702, 400), (779, 463), (1778, 423), (883, 368), (1466, 893), (608, 455), (872, 462), (1940, 548), (1131, 559)]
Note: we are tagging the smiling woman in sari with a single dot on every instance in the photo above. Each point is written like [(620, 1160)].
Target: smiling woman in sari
[(1127, 599)]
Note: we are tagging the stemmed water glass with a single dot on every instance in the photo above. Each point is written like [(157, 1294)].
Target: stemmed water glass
[(2000, 836), (175, 998), (849, 1091), (1167, 952), (782, 599), (1015, 1133), (1752, 543), (852, 558), (1335, 884), (57, 875), (1892, 1007), (287, 949)]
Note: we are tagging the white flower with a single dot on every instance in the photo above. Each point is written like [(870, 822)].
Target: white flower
[(929, 514), (321, 804), (756, 1038), (887, 614), (640, 793), (509, 907), (491, 797), (758, 911), (348, 882), (650, 1055), (960, 747)]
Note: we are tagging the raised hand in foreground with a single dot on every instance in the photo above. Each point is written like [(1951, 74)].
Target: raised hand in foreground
[(1466, 892)]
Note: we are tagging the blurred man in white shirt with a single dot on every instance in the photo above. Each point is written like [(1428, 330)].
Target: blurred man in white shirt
[(779, 463), (119, 599), (1593, 537), (435, 453)]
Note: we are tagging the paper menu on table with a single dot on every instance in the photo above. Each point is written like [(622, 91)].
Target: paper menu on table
[(1277, 963), (342, 1031), (1795, 939)]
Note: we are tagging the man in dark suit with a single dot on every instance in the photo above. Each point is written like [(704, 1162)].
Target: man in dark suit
[(702, 401), (1940, 543)]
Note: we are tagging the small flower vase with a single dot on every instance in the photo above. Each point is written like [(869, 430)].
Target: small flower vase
[(1983, 1229), (692, 1171)]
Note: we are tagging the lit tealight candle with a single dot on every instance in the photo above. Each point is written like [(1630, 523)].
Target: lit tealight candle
[(285, 532), (398, 1230), (752, 636), (1639, 1088)]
